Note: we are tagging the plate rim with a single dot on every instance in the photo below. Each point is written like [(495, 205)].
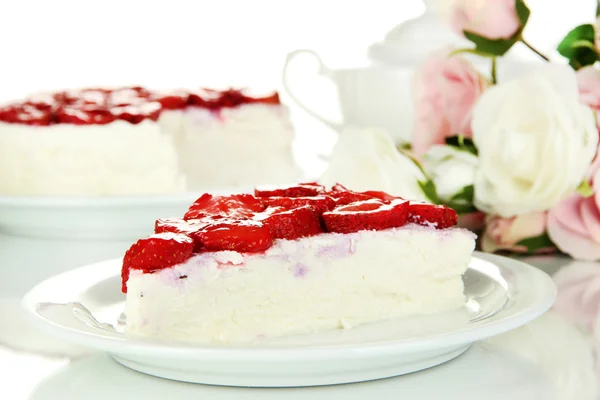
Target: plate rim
[(128, 346)]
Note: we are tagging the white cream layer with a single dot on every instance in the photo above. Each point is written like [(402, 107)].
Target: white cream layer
[(313, 284), (195, 149)]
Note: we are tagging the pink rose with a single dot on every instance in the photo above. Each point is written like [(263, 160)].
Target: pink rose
[(574, 223), (504, 233), (493, 19), (588, 81), (445, 90)]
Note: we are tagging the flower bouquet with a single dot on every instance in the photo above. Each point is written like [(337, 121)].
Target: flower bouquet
[(516, 158)]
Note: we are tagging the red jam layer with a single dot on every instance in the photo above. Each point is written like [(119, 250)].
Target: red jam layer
[(131, 104), (251, 223)]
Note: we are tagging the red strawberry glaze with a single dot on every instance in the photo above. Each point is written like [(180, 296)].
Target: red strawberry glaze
[(371, 214), (432, 215), (156, 252), (300, 190), (96, 106), (292, 223), (250, 224)]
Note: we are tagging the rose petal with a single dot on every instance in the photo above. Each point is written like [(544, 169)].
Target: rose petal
[(568, 213), (576, 245), (591, 218)]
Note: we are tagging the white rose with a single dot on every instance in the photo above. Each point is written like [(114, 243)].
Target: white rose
[(535, 142), (451, 169), (367, 159)]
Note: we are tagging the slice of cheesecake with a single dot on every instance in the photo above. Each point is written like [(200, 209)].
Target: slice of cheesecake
[(293, 261)]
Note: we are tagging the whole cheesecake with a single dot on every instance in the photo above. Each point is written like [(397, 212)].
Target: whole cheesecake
[(294, 260), (135, 141)]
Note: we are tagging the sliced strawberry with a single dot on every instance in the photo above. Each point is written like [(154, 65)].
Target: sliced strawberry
[(343, 198), (371, 214), (268, 99), (242, 236), (320, 203), (174, 225), (233, 98), (233, 206), (128, 96), (208, 98), (192, 228), (172, 100), (156, 252), (42, 101), (380, 195), (291, 224), (26, 114), (137, 113), (338, 187), (84, 115), (300, 190), (96, 97), (432, 215)]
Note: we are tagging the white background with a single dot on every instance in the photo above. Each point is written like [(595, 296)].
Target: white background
[(49, 44)]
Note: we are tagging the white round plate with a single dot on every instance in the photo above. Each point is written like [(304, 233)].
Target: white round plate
[(96, 218), (85, 306)]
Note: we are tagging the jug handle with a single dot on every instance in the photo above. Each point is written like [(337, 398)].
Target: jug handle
[(323, 71)]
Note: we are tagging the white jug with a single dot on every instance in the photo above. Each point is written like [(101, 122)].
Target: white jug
[(380, 95)]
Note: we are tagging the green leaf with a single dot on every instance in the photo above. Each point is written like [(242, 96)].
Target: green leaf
[(406, 146), (536, 243), (579, 46), (584, 32), (598, 9), (522, 12), (471, 51), (465, 195), (496, 47), (462, 143), (428, 187), (585, 190), (462, 202)]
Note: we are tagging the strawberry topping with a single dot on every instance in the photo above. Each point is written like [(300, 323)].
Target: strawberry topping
[(242, 236), (300, 190), (233, 206), (432, 215), (371, 214), (291, 223), (156, 252), (131, 104), (250, 224), (320, 203), (344, 196)]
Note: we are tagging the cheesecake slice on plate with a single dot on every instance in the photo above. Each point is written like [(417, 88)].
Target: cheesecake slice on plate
[(294, 260)]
